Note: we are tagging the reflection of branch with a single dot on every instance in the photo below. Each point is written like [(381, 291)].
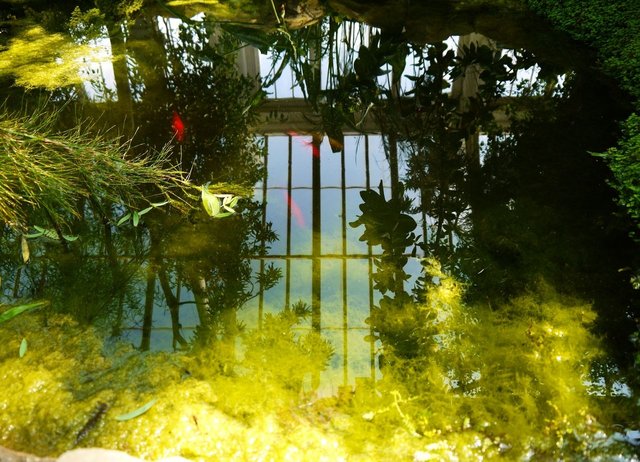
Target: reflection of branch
[(148, 309), (199, 288), (174, 307)]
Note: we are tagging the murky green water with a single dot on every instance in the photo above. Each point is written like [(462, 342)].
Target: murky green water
[(425, 262)]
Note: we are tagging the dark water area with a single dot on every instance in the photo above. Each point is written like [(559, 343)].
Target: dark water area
[(397, 243)]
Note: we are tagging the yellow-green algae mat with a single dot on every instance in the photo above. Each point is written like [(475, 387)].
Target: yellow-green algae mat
[(525, 366)]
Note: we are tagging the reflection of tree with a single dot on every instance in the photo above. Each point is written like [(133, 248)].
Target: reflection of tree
[(188, 74), (216, 104), (550, 212), (386, 225)]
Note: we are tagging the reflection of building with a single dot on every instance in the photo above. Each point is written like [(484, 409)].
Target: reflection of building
[(312, 194)]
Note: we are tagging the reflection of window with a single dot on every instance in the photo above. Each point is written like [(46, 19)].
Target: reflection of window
[(345, 263)]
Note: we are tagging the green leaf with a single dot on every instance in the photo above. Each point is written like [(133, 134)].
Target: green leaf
[(50, 233), (159, 204), (24, 245), (136, 218), (34, 235), (137, 412), (124, 219), (147, 210), (210, 202), (69, 238), (23, 347), (222, 214), (16, 310)]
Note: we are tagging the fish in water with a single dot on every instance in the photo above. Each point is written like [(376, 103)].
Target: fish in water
[(315, 147), (97, 414), (295, 210), (337, 143), (178, 126)]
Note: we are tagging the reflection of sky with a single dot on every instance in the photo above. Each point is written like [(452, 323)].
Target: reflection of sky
[(98, 70)]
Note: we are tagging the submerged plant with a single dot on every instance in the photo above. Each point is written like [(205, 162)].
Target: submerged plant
[(40, 59), (53, 171), (16, 310)]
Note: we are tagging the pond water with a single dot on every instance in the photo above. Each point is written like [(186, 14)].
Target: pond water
[(424, 260)]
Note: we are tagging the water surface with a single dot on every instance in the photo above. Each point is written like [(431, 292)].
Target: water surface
[(425, 259)]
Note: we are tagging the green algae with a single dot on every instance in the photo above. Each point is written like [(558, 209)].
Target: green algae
[(487, 382), (37, 58)]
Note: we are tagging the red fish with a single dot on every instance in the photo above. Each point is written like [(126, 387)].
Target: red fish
[(315, 148), (178, 127), (295, 210)]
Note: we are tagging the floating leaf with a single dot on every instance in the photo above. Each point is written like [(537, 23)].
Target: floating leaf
[(23, 347), (16, 310), (124, 219), (210, 202), (228, 202), (136, 218), (25, 249), (137, 412)]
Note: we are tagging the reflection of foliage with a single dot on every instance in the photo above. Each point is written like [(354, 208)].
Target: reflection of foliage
[(394, 320), (386, 225), (40, 59), (216, 103), (356, 89), (50, 171)]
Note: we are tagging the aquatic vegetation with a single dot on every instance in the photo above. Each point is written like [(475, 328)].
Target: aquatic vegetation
[(14, 311), (447, 376), (218, 205), (135, 215), (23, 348), (37, 58), (488, 382), (48, 170), (136, 412)]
